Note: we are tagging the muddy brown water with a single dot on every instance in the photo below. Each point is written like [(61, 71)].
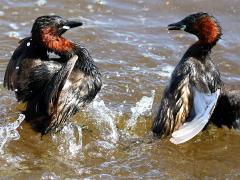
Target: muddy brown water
[(111, 139)]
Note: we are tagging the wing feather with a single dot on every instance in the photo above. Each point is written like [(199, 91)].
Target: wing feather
[(14, 62), (204, 104), (55, 85)]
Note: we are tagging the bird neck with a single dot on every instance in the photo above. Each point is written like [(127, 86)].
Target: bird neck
[(49, 39), (199, 50)]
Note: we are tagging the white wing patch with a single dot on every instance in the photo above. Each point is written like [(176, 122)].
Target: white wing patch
[(204, 105), (67, 85), (71, 63)]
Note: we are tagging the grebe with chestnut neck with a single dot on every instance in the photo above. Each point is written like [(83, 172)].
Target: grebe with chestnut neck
[(193, 91), (54, 89)]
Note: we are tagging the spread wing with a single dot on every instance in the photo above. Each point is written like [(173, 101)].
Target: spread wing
[(13, 65), (204, 104), (28, 72)]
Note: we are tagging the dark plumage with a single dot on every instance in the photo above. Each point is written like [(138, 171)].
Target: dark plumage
[(227, 111), (54, 89), (195, 84)]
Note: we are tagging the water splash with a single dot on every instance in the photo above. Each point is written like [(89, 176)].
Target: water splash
[(49, 175), (105, 120), (70, 140), (41, 2), (100, 149), (2, 13), (13, 26), (100, 2), (9, 132), (14, 34), (142, 107), (165, 70)]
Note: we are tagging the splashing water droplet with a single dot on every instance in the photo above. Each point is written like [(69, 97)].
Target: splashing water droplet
[(2, 13), (49, 175), (9, 132), (41, 2), (142, 107), (105, 120), (14, 34), (14, 26), (70, 140)]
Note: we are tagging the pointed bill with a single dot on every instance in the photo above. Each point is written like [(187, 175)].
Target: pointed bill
[(204, 106)]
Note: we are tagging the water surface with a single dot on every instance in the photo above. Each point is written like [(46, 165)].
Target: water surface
[(111, 139)]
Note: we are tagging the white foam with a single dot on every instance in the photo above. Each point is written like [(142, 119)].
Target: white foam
[(41, 2), (166, 70), (135, 68), (49, 175), (14, 26), (14, 34), (101, 2)]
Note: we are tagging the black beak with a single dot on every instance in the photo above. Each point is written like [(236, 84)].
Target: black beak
[(68, 25), (72, 24), (177, 26)]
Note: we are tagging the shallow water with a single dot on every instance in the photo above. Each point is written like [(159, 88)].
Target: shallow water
[(111, 138)]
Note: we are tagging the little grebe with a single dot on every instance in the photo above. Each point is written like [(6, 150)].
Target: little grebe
[(195, 86), (54, 89)]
